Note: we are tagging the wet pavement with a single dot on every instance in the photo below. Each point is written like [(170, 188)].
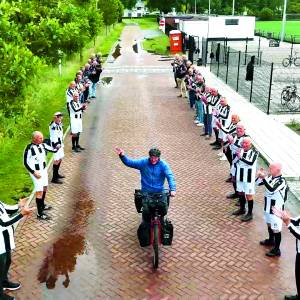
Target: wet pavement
[(90, 249)]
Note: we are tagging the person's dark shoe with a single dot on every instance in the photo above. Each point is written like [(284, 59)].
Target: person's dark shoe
[(217, 147), (215, 143), (7, 297), (203, 134), (56, 181), (291, 297), (273, 253), (237, 203), (238, 212), (80, 148), (47, 207), (229, 179), (267, 243), (43, 217), (247, 218), (75, 149), (61, 176), (11, 286), (232, 196)]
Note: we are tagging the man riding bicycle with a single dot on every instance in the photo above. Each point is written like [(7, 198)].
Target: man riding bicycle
[(153, 171)]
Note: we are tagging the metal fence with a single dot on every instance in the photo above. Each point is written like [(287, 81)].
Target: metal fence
[(269, 79)]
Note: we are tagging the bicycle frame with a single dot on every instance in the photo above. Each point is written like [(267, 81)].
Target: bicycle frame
[(155, 221)]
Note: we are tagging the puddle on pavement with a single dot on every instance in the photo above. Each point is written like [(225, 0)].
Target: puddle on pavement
[(106, 80), (117, 52), (135, 48), (61, 257)]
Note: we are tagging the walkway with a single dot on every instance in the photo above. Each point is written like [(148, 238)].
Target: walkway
[(90, 249)]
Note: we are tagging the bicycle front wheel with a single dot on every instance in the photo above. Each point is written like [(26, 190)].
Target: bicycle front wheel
[(293, 103), (155, 247), (297, 61), (285, 62)]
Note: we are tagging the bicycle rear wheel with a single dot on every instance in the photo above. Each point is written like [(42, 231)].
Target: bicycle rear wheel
[(155, 247), (293, 103), (297, 61), (285, 62)]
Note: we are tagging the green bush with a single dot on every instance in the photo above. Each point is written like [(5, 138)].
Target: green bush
[(266, 14)]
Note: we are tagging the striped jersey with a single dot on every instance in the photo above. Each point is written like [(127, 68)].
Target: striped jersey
[(56, 134), (34, 158), (75, 110), (7, 241), (275, 192), (246, 166), (295, 231)]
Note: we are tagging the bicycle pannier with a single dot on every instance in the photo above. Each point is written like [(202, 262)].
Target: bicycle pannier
[(143, 233), (167, 233), (138, 200)]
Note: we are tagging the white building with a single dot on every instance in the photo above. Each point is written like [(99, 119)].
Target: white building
[(138, 11), (218, 27)]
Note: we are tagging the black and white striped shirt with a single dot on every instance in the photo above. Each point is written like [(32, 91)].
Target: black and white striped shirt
[(275, 193), (56, 134), (231, 129), (295, 231), (224, 115), (246, 166), (75, 110), (7, 241), (35, 156)]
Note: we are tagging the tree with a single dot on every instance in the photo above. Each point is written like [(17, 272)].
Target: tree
[(129, 3), (109, 9)]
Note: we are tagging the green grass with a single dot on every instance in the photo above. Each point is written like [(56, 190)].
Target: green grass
[(292, 27), (157, 45), (294, 125), (144, 23), (44, 96)]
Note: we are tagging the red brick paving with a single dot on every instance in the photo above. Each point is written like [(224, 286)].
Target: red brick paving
[(213, 256)]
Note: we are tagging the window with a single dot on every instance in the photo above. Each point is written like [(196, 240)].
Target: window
[(231, 21)]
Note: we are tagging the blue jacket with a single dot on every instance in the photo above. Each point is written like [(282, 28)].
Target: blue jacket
[(152, 176)]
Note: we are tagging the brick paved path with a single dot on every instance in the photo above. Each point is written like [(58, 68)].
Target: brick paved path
[(90, 249)]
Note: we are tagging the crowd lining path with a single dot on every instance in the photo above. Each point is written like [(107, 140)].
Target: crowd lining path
[(90, 249)]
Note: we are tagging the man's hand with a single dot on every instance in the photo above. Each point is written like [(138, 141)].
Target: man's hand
[(261, 173), (119, 151), (229, 138), (284, 215), (37, 175), (26, 211), (172, 193)]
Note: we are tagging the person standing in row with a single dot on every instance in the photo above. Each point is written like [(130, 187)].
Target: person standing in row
[(35, 163), (275, 196), (56, 138), (76, 112), (9, 215)]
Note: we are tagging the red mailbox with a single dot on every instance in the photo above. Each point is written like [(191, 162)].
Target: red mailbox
[(175, 41)]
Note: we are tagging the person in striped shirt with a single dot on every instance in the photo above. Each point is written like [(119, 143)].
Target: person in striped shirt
[(9, 215), (245, 178), (293, 226), (275, 195)]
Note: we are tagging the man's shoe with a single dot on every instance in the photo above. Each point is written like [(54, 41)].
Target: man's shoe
[(43, 217), (200, 124), (11, 286), (208, 137), (80, 148), (238, 212), (291, 297), (247, 218), (75, 149), (56, 181), (215, 143), (203, 134), (47, 207), (196, 121), (232, 195), (61, 176), (223, 158), (267, 242), (7, 297), (273, 252), (229, 179), (217, 147), (179, 96)]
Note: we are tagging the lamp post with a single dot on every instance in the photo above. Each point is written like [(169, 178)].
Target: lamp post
[(283, 21), (195, 7), (209, 7), (233, 4)]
